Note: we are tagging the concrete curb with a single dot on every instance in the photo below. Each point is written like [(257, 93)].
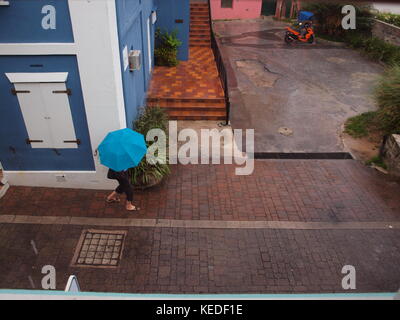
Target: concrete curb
[(200, 224)]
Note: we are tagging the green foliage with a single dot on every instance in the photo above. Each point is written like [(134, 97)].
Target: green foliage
[(329, 17), (377, 161), (360, 126), (146, 172), (166, 51), (387, 96), (375, 48), (151, 118), (386, 119), (390, 18)]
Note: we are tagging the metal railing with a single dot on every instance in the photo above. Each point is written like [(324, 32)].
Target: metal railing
[(220, 66)]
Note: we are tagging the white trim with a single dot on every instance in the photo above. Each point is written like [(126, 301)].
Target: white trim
[(112, 17), (22, 77), (4, 3), (149, 45), (14, 49), (94, 24), (72, 179)]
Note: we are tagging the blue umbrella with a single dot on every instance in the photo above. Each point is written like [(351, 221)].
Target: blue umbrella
[(122, 149)]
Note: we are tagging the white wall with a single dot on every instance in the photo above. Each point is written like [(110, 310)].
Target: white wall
[(387, 7), (95, 31)]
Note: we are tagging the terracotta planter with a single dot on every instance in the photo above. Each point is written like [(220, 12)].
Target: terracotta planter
[(152, 183)]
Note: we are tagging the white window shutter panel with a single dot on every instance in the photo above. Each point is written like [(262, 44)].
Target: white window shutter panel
[(60, 117), (46, 110), (33, 109)]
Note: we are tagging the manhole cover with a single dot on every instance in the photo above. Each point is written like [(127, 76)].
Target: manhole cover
[(99, 248)]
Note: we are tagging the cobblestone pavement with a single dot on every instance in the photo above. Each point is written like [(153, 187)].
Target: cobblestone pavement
[(172, 260), (278, 190), (289, 227)]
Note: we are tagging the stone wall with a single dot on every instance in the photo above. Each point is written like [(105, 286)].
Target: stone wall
[(391, 154), (387, 32)]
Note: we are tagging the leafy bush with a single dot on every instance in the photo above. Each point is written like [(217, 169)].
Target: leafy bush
[(166, 51), (147, 173), (390, 18), (386, 119), (375, 48), (387, 96), (360, 125), (329, 17)]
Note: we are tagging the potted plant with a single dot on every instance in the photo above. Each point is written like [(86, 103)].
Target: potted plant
[(166, 51), (148, 174)]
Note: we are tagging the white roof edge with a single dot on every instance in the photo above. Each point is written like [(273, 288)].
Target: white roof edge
[(21, 77)]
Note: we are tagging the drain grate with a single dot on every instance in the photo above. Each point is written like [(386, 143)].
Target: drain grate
[(99, 248)]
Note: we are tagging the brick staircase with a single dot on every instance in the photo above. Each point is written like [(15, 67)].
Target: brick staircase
[(192, 90), (191, 109), (200, 25)]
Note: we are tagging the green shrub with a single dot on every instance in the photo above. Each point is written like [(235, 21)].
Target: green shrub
[(375, 48), (390, 18), (387, 96), (329, 17), (386, 119), (361, 125), (147, 173), (166, 51)]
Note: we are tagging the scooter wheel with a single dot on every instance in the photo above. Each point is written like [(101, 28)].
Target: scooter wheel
[(311, 39), (288, 39)]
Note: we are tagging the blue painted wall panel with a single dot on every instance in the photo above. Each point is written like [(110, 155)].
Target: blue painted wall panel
[(167, 12), (15, 154), (21, 21), (132, 16)]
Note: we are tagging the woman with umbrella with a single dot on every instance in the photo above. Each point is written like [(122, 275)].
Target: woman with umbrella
[(124, 187), (119, 151)]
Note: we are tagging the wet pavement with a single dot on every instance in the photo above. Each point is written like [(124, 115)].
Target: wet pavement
[(189, 260), (278, 190), (289, 228), (309, 89)]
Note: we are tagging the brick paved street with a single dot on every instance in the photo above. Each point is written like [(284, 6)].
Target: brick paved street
[(358, 210), (284, 190), (183, 260)]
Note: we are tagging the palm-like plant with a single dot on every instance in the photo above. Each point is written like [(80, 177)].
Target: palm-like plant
[(149, 173)]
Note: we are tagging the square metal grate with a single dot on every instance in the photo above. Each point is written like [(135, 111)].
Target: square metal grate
[(99, 248)]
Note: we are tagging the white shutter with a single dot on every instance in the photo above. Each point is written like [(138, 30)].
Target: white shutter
[(46, 109), (59, 113), (34, 112)]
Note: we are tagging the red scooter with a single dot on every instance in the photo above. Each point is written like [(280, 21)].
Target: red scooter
[(304, 34)]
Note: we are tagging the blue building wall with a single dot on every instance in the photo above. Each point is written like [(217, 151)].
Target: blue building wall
[(21, 21), (132, 18), (15, 154), (168, 11)]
